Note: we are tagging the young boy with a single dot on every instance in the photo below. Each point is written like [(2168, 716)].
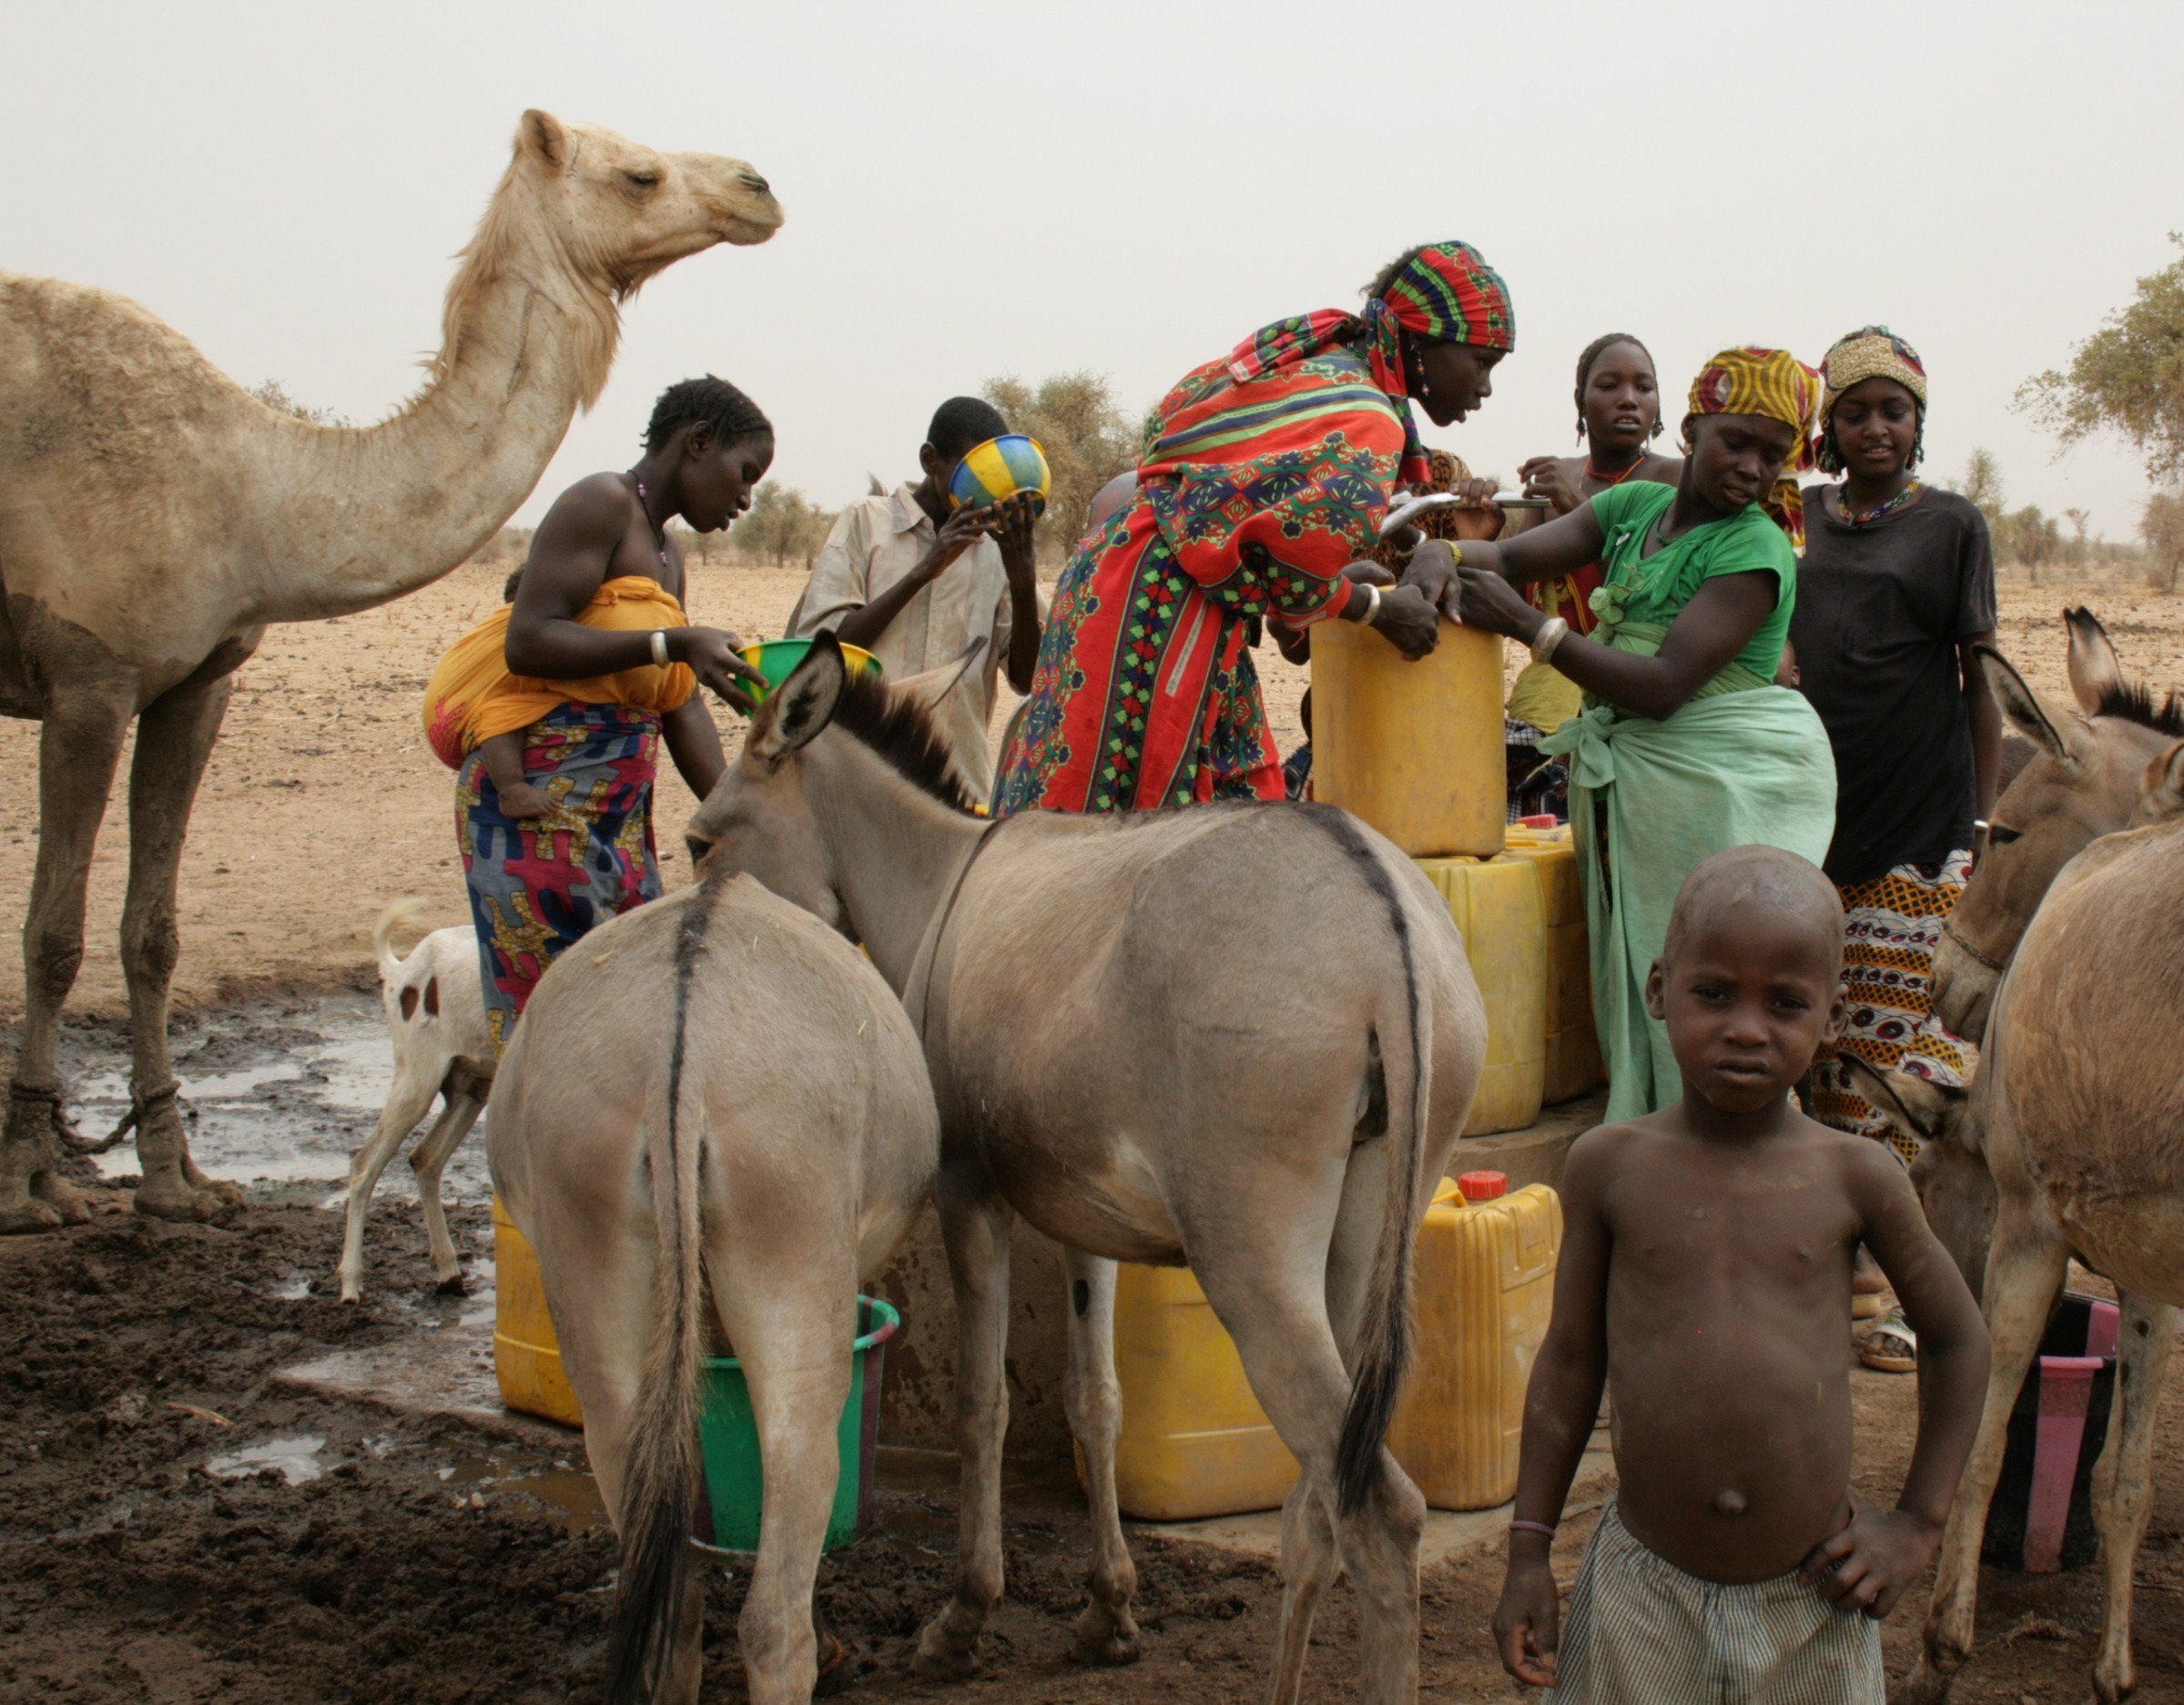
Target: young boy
[(914, 584), (1706, 1273)]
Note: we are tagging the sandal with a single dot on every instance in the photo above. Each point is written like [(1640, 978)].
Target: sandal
[(1890, 1347), (1869, 1295)]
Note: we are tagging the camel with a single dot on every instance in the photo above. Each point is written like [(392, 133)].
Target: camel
[(713, 1119), (155, 519), (2082, 781), (1131, 1051), (2069, 1144)]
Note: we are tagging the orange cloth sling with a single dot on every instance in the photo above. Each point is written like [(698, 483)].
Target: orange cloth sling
[(472, 697)]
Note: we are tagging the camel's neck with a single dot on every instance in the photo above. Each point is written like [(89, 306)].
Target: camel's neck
[(897, 851), (379, 511)]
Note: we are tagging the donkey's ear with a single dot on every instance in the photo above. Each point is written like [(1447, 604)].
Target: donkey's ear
[(1921, 1110), (932, 685), (2095, 671), (795, 711), (2057, 735), (2161, 789)]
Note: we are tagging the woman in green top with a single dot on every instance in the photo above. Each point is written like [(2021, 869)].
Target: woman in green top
[(1686, 746)]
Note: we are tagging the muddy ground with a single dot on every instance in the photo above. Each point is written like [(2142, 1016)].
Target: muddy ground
[(145, 1556)]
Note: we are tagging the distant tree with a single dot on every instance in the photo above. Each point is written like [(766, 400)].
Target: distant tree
[(274, 395), (2162, 525), (1087, 436), (782, 525), (2078, 518), (1981, 485), (2127, 378), (2028, 537)]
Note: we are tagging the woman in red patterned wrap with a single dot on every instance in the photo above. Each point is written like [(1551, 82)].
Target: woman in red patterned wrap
[(1264, 475)]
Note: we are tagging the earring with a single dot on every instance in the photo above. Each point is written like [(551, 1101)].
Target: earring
[(1581, 428)]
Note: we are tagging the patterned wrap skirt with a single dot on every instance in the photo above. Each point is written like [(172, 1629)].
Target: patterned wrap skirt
[(1891, 927), (537, 885)]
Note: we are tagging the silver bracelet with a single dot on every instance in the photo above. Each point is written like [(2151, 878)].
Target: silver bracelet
[(1553, 633), (1372, 610), (659, 646)]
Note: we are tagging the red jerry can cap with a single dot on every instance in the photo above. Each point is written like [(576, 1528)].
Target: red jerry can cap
[(1548, 821), (1483, 1186)]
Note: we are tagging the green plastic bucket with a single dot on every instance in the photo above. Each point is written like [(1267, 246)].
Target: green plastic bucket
[(734, 1484)]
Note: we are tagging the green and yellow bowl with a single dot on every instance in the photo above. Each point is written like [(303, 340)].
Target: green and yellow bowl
[(776, 660)]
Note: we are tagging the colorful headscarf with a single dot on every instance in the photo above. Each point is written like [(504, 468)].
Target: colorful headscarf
[(1444, 292), (1774, 383), (1869, 352)]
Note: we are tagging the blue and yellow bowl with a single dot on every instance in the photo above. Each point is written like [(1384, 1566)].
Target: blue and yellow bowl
[(1000, 469)]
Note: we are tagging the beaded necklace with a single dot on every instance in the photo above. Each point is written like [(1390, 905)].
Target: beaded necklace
[(1866, 517), (659, 533), (1592, 473)]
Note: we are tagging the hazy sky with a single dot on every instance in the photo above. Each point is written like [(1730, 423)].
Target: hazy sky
[(982, 189)]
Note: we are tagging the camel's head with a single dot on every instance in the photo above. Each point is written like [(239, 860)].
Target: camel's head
[(1951, 1176), (621, 211), (2083, 781)]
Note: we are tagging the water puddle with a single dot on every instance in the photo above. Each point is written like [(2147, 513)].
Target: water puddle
[(291, 1290), (564, 1489), (280, 1094), (296, 1456)]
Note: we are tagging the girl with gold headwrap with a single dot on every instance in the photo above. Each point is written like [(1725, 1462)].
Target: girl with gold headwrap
[(1898, 586), (1685, 745)]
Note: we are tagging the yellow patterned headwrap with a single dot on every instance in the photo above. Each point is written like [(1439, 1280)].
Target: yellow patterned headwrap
[(1775, 383), (1869, 352)]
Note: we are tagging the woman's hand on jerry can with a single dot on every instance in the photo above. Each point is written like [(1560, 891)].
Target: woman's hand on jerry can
[(1408, 622), (1432, 570), (1479, 516), (1367, 572), (1484, 600)]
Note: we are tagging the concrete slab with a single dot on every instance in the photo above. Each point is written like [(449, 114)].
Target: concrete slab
[(1448, 1532)]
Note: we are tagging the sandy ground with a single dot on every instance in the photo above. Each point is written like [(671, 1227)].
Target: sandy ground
[(322, 802)]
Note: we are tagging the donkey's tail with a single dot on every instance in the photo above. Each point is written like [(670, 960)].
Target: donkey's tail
[(1381, 1353), (662, 1474), (400, 912)]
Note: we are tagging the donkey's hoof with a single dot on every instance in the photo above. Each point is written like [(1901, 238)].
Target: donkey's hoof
[(941, 1655), (1105, 1650), (26, 1213), (1924, 1685), (62, 1197), (456, 1283)]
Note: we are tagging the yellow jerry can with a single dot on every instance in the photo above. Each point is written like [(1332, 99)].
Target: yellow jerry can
[(527, 1357), (1573, 1049), (1484, 1287), (1498, 907), (1415, 749), (1195, 1443)]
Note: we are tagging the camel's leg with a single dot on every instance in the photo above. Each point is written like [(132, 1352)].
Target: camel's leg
[(78, 747), (1106, 1632), (790, 1322), (174, 737), (428, 1160), (2123, 1483), (409, 1100), (975, 1221), (2025, 1270)]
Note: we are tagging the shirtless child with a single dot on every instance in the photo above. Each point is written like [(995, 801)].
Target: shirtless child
[(1706, 1274)]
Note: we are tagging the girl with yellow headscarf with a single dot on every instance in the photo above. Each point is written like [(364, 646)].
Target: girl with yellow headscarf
[(1686, 746)]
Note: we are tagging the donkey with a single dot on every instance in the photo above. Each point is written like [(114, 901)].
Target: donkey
[(1240, 1036), (2070, 1142), (714, 1117), (2083, 781)]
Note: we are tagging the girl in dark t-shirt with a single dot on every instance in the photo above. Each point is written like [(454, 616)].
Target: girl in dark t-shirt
[(1896, 587)]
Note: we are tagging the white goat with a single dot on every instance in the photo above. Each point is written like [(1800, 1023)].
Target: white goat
[(436, 1016)]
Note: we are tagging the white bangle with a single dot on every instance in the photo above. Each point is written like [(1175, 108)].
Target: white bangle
[(1372, 610), (659, 646), (1552, 634)]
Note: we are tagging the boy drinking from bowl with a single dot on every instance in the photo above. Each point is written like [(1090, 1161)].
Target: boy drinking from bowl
[(1706, 1273), (914, 584)]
